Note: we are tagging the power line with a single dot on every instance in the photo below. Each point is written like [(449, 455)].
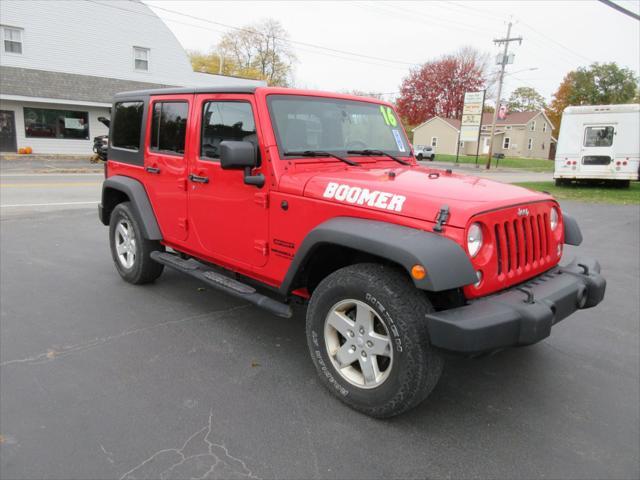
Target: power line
[(296, 42), (209, 29), (621, 9)]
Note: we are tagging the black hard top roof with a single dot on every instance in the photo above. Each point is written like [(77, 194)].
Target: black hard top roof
[(185, 91)]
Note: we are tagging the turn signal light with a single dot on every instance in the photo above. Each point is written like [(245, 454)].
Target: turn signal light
[(418, 272)]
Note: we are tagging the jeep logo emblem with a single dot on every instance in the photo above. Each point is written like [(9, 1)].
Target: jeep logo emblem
[(523, 212)]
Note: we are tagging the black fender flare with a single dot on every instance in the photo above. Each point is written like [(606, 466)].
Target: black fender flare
[(572, 233), (446, 263), (140, 204)]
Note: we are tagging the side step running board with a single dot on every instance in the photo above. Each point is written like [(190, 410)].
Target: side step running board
[(221, 282)]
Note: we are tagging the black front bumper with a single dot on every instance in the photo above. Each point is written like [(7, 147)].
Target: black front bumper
[(521, 315)]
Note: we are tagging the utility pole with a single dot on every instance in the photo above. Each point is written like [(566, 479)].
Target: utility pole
[(503, 63)]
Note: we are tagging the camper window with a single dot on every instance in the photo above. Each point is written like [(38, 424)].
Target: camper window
[(598, 136)]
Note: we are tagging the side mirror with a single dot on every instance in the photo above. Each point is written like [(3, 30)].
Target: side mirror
[(237, 155), (241, 155)]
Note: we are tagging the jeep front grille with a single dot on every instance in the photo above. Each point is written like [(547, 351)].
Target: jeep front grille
[(522, 243)]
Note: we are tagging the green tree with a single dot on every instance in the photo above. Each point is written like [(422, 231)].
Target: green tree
[(598, 84), (525, 99)]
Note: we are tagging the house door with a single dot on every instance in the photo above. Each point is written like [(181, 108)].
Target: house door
[(7, 131), (485, 145)]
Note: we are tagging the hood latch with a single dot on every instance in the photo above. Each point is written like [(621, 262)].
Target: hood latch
[(442, 217)]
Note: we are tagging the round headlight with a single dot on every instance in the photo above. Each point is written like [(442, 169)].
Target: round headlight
[(474, 239), (553, 218)]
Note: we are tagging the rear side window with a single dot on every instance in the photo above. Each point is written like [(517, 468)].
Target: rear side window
[(169, 126), (598, 136), (127, 125)]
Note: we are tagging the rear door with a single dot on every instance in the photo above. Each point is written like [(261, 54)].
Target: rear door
[(229, 218), (165, 163), (598, 144)]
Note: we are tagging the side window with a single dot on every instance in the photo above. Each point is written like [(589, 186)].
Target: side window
[(169, 126), (225, 121), (127, 125), (598, 136)]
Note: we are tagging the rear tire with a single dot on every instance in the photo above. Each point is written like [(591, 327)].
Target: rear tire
[(432, 157), (130, 250), (380, 318)]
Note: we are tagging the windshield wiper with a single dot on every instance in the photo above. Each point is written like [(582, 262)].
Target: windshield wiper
[(319, 153), (378, 153)]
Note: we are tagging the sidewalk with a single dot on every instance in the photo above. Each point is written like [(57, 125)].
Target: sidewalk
[(16, 164)]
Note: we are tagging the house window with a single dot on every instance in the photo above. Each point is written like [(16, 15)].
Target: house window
[(12, 40), (505, 143), (434, 142), (127, 125), (169, 126), (49, 123), (141, 59), (530, 144), (533, 126), (544, 127)]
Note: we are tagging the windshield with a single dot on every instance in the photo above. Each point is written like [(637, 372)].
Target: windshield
[(334, 125)]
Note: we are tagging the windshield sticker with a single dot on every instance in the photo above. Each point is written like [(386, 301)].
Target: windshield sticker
[(362, 196), (388, 116), (399, 142)]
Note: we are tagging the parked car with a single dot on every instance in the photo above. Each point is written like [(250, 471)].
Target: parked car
[(599, 143), (280, 196), (424, 151)]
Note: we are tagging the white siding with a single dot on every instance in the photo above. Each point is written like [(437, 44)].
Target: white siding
[(97, 38), (57, 145)]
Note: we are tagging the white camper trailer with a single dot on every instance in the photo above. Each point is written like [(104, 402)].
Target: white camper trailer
[(599, 142)]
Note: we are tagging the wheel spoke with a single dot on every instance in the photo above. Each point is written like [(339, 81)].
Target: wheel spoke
[(122, 231), (381, 344), (341, 323), (346, 355), (364, 318), (120, 248), (369, 367)]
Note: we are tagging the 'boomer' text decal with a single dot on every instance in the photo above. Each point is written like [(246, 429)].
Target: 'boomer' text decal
[(362, 196)]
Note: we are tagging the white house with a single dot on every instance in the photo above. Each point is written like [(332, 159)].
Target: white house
[(61, 63)]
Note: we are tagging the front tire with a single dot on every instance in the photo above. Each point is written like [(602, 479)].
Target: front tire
[(367, 335), (419, 157), (130, 250)]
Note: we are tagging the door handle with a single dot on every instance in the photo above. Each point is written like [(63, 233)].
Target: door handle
[(155, 170), (198, 179)]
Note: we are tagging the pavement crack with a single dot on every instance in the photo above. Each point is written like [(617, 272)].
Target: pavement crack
[(197, 459), (108, 454), (53, 354)]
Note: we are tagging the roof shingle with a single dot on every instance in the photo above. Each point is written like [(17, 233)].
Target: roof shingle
[(66, 86)]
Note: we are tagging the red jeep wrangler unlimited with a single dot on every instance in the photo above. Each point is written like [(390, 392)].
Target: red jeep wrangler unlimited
[(275, 195)]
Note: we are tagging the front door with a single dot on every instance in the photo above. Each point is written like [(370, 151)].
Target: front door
[(485, 145), (7, 131), (165, 163), (597, 151), (229, 218)]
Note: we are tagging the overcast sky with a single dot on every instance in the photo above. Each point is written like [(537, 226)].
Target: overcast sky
[(558, 36)]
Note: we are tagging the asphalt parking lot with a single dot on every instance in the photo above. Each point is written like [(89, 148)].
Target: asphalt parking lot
[(100, 379)]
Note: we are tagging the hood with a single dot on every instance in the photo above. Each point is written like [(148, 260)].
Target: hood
[(415, 192)]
